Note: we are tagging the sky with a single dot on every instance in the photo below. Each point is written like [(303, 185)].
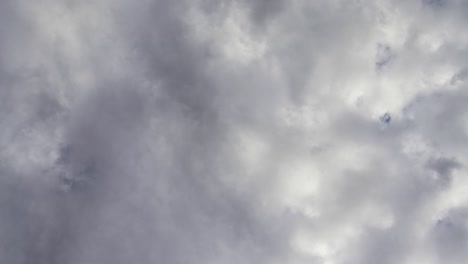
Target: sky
[(233, 131)]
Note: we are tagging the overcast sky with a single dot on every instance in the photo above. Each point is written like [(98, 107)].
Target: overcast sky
[(233, 131)]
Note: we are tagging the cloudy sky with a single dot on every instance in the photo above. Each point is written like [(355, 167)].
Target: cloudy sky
[(233, 131)]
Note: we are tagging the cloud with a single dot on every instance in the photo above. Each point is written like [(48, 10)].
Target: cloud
[(233, 132)]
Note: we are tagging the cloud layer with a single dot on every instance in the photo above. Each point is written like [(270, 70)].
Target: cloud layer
[(233, 131)]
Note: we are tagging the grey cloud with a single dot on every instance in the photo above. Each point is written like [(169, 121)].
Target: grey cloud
[(449, 236), (443, 166), (383, 57), (131, 132)]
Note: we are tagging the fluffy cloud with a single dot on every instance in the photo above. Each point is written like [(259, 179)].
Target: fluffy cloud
[(231, 131)]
